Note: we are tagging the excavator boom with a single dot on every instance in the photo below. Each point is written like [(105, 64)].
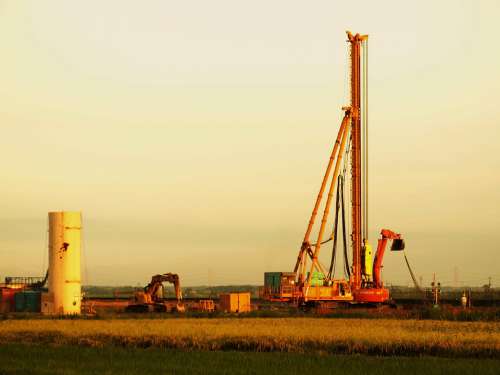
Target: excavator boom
[(397, 245), (158, 280)]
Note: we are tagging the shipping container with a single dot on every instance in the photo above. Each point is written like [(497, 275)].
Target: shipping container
[(235, 302), (7, 300), (272, 280), (28, 301)]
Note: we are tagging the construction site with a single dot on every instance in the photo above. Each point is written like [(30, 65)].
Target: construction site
[(352, 278), (239, 188)]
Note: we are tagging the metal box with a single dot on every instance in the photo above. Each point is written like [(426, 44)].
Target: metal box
[(47, 303), (235, 302)]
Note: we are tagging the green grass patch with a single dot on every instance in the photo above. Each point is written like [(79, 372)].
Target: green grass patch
[(17, 359)]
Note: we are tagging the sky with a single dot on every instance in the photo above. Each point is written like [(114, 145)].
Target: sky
[(193, 135)]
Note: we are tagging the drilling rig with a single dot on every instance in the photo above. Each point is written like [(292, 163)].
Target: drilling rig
[(311, 282)]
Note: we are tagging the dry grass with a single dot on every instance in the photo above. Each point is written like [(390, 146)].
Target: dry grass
[(383, 337)]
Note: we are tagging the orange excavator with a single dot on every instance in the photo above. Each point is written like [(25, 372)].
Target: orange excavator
[(311, 282), (151, 298)]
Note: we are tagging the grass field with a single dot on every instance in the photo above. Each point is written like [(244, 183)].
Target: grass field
[(296, 335), (18, 359)]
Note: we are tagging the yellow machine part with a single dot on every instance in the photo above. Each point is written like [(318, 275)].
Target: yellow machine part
[(368, 258)]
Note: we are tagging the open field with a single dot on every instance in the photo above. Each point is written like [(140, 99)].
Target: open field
[(42, 360), (300, 335)]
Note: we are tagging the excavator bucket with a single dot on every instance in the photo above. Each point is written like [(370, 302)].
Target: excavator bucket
[(398, 244), (180, 308)]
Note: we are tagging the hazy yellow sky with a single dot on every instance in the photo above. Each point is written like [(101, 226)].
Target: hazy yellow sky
[(193, 135)]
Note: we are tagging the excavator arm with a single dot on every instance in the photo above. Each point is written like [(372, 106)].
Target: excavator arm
[(156, 282), (397, 244)]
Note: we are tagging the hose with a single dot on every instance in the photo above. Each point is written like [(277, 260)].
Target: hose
[(417, 285)]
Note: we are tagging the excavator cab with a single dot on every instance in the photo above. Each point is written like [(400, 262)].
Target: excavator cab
[(398, 244)]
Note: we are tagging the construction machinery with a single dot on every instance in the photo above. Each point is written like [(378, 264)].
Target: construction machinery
[(312, 282), (206, 305), (151, 298)]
